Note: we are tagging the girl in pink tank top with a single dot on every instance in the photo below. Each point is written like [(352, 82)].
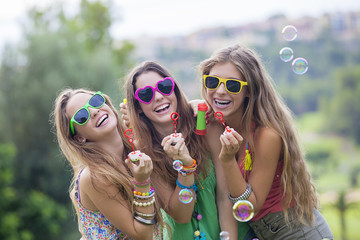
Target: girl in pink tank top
[(260, 155)]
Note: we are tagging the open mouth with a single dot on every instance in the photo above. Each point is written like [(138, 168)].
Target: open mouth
[(162, 108), (102, 120), (222, 103)]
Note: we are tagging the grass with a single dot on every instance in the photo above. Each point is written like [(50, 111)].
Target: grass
[(332, 173), (352, 221)]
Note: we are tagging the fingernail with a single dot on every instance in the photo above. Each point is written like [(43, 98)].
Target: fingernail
[(206, 117)]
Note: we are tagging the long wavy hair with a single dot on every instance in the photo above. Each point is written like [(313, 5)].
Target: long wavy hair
[(103, 167), (265, 107), (149, 139)]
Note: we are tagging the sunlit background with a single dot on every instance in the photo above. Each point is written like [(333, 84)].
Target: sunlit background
[(310, 48)]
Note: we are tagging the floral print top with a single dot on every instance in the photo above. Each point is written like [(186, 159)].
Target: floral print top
[(94, 225)]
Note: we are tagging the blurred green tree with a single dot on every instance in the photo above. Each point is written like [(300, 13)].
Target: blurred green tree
[(59, 51), (343, 108)]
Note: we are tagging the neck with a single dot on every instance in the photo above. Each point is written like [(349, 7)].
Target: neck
[(164, 129), (114, 145)]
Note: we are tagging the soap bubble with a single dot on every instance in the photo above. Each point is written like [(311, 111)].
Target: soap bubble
[(300, 66), (185, 196), (289, 33), (286, 54), (177, 165), (224, 235), (243, 211)]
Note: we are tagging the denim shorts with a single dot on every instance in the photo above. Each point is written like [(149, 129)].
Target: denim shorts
[(273, 226)]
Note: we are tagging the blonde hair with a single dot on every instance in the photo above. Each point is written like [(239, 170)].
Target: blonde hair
[(148, 139), (103, 167), (265, 107)]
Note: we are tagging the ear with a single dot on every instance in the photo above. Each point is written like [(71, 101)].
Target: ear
[(80, 139)]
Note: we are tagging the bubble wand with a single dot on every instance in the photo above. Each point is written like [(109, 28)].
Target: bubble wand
[(219, 115), (134, 155), (175, 136)]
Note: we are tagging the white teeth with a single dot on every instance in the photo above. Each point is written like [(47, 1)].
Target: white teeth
[(101, 120), (222, 101), (162, 107)]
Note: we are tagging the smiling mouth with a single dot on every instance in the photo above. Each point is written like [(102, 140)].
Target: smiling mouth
[(101, 120), (222, 103), (162, 108)]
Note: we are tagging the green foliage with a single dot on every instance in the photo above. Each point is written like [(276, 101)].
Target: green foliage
[(25, 216), (344, 107), (59, 52)]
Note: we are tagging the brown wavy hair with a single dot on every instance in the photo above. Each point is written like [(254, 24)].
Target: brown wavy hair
[(149, 140), (265, 107), (103, 167)]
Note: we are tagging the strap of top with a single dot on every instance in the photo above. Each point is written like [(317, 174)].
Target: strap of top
[(77, 186)]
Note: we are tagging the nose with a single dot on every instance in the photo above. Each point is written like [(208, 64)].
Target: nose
[(93, 111), (158, 96), (221, 89)]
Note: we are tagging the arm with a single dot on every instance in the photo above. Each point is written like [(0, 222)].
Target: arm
[(226, 219), (179, 211), (268, 148), (105, 198)]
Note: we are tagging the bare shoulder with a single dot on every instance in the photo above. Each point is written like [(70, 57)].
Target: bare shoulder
[(92, 185), (266, 134)]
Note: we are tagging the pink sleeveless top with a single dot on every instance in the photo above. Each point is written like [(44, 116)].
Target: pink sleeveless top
[(273, 200)]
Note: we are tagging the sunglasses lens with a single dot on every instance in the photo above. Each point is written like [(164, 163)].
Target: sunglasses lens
[(211, 82), (145, 94), (166, 86), (233, 86), (96, 101), (81, 116)]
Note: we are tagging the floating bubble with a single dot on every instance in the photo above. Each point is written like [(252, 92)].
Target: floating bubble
[(185, 196), (224, 235), (243, 211), (300, 66), (286, 54), (289, 33), (177, 165)]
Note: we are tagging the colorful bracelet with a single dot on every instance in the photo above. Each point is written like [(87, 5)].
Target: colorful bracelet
[(183, 186), (142, 184), (192, 166)]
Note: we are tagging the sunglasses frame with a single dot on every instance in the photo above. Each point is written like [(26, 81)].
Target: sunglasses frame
[(224, 80), (155, 89), (86, 106)]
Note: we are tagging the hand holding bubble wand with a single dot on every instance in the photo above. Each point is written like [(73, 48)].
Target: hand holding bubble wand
[(134, 155)]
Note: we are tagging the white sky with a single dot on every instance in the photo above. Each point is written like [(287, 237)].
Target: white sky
[(169, 17)]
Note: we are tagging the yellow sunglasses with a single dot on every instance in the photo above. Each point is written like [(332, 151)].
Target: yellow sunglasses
[(232, 85)]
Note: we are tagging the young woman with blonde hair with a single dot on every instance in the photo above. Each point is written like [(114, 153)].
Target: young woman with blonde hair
[(106, 185), (261, 158)]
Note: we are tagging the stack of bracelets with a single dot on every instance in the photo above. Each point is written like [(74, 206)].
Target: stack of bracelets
[(188, 170), (141, 199), (185, 171)]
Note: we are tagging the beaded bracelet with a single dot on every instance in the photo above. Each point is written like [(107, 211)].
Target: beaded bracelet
[(145, 204), (144, 197), (145, 215), (183, 186), (152, 190), (243, 196)]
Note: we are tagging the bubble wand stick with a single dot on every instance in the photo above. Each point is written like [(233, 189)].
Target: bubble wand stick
[(219, 115), (134, 155), (175, 136)]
